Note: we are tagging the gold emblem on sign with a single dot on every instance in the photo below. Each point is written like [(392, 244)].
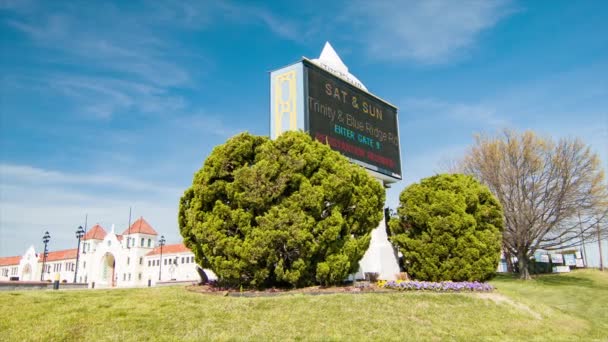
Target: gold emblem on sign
[(285, 101)]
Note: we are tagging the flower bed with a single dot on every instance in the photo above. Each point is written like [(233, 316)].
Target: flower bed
[(444, 286)]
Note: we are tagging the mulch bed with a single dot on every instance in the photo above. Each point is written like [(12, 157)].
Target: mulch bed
[(358, 288)]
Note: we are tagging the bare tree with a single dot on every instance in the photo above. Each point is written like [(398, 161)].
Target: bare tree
[(543, 186)]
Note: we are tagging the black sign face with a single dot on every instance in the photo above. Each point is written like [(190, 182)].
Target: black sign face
[(353, 122)]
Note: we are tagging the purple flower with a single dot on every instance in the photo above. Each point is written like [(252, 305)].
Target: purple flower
[(444, 286)]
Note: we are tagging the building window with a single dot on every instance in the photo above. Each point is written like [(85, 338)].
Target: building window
[(191, 259), (128, 260), (142, 241), (141, 261), (182, 260), (129, 276), (109, 243), (139, 276), (84, 265), (124, 276), (165, 262), (149, 243), (148, 263)]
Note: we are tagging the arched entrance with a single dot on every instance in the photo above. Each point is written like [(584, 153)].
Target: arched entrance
[(27, 272), (108, 266)]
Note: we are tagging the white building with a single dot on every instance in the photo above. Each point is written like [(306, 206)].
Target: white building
[(130, 259)]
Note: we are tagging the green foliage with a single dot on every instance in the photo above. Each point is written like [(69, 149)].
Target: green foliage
[(279, 212), (449, 228)]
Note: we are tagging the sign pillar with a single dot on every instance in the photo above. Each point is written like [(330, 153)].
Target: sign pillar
[(320, 96)]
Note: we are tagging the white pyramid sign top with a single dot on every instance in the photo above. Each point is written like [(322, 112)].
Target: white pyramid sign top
[(330, 57), (331, 62)]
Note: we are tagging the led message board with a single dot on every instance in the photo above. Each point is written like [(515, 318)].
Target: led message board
[(337, 112), (352, 121)]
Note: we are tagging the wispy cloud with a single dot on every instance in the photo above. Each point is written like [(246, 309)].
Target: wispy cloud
[(12, 174), (112, 61), (36, 199), (434, 109), (248, 14), (427, 32), (210, 124), (103, 97)]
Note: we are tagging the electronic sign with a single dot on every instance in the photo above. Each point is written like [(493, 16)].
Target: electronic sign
[(338, 112), (352, 121)]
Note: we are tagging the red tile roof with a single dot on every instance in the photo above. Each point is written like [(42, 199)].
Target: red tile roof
[(12, 260), (60, 255), (170, 249), (95, 233), (140, 226)]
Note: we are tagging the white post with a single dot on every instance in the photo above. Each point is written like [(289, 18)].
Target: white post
[(380, 257)]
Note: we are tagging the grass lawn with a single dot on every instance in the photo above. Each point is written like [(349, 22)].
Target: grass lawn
[(554, 307)]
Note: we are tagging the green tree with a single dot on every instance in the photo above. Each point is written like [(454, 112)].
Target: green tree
[(279, 212), (448, 228)]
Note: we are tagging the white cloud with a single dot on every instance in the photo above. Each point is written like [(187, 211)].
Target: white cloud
[(128, 50), (103, 97), (427, 32), (32, 176), (33, 200), (203, 122), (140, 68), (483, 115), (247, 14)]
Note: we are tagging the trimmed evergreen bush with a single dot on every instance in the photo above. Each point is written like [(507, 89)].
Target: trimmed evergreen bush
[(284, 212), (449, 227)]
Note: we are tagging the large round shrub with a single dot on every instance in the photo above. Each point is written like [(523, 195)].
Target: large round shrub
[(279, 212), (449, 227)]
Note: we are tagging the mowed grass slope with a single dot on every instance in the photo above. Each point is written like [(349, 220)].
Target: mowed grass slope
[(554, 307)]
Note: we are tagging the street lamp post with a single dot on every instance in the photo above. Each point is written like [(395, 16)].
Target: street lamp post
[(161, 243), (79, 235), (46, 238)]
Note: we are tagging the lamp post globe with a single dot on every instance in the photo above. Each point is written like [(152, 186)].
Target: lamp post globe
[(161, 243), (79, 235), (45, 239)]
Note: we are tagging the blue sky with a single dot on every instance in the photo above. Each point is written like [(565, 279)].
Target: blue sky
[(111, 105)]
